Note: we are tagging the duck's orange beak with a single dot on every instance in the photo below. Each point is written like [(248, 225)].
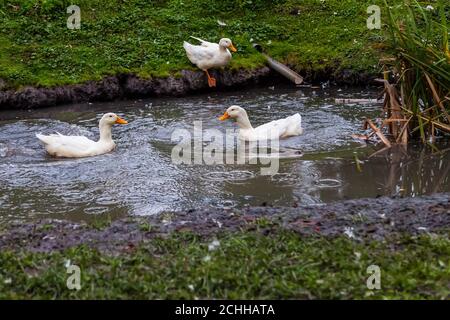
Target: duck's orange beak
[(119, 120), (224, 117), (232, 48)]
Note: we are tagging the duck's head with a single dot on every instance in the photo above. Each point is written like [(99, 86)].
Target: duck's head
[(233, 112), (111, 119), (226, 43)]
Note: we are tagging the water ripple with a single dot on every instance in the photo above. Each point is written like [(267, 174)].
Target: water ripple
[(139, 177)]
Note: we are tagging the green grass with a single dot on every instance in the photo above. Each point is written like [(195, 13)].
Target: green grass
[(245, 266), (145, 37)]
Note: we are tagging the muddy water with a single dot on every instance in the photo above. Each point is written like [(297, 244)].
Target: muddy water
[(139, 178)]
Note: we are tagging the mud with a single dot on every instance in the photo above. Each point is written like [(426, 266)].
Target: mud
[(360, 220), (129, 86)]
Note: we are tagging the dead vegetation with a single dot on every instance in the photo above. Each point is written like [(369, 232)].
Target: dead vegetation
[(417, 77)]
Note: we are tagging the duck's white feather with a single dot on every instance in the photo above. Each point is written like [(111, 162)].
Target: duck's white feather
[(282, 128), (74, 146), (203, 43)]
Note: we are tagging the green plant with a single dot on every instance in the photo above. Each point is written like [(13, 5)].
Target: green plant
[(419, 103)]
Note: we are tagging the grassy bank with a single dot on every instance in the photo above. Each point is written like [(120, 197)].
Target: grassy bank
[(243, 265), (145, 37)]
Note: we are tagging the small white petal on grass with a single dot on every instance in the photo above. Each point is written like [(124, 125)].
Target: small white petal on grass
[(67, 263), (7, 281), (219, 224), (348, 231), (214, 245), (221, 23), (191, 287), (207, 258)]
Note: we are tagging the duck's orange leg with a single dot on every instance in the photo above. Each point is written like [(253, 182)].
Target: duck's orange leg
[(211, 80)]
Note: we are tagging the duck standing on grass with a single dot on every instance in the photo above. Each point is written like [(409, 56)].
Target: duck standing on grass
[(210, 55), (283, 128), (59, 145)]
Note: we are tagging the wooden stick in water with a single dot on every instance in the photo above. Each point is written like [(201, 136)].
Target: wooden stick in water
[(360, 101)]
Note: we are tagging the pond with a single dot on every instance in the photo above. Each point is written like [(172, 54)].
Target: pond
[(140, 178)]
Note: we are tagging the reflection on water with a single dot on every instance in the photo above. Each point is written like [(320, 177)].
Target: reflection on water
[(139, 178)]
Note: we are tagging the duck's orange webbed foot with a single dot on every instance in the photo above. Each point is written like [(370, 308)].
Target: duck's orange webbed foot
[(211, 80)]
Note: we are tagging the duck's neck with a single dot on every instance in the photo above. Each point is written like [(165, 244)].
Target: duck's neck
[(105, 133), (243, 122)]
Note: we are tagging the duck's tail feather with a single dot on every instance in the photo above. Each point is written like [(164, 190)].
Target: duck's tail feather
[(42, 138), (296, 125), (299, 119), (202, 41), (186, 45)]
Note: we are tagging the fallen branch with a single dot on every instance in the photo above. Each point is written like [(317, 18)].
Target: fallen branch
[(369, 123), (360, 101)]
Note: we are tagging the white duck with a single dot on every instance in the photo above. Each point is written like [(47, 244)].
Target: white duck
[(209, 55), (59, 145), (283, 128)]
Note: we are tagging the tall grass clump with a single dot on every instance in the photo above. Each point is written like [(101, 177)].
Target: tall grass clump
[(417, 104)]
